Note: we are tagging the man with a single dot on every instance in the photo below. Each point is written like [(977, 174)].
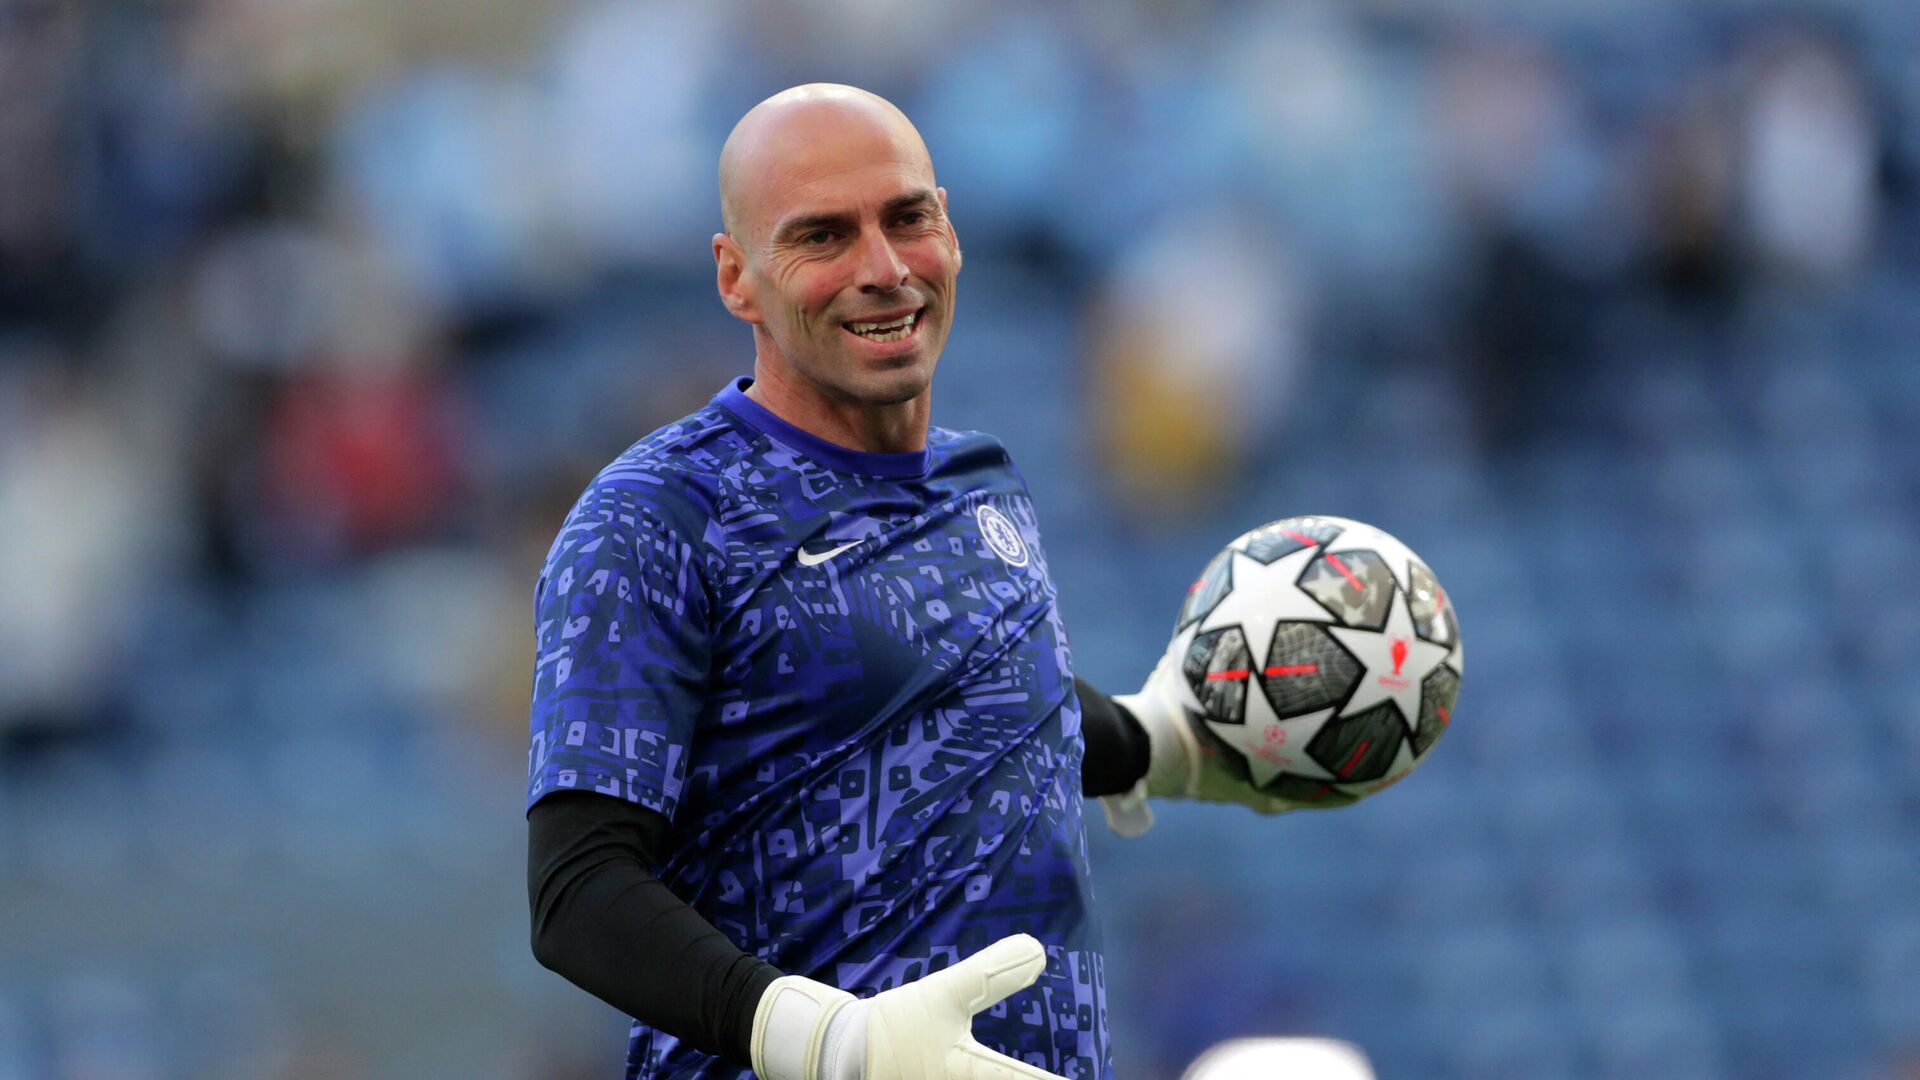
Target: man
[(807, 753)]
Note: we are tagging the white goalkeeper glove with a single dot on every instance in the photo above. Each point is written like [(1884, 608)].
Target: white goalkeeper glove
[(1179, 767), (806, 1030)]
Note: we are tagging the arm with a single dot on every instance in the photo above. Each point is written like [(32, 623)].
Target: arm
[(622, 661), (1117, 746), (610, 927)]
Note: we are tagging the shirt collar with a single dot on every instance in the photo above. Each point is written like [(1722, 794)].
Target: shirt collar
[(733, 398)]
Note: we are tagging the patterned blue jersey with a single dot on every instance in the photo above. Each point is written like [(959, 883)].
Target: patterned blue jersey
[(843, 679)]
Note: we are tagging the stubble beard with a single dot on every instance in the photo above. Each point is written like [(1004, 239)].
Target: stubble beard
[(838, 372)]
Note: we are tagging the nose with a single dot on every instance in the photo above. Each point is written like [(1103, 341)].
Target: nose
[(880, 268)]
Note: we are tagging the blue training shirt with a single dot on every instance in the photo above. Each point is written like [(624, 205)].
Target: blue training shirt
[(843, 678)]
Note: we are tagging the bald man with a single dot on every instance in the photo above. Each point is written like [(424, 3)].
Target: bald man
[(839, 254), (808, 755)]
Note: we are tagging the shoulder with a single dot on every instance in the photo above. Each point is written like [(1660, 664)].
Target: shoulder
[(695, 450), (974, 454), (676, 472), (970, 447), (661, 491)]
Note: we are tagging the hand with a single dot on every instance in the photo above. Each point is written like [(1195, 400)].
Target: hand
[(1179, 767), (806, 1030)]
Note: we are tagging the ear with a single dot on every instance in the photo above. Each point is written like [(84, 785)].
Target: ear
[(730, 277), (953, 237)]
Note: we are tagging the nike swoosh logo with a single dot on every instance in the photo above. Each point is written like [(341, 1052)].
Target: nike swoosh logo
[(808, 558)]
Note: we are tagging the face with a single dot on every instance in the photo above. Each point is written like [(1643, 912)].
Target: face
[(843, 259)]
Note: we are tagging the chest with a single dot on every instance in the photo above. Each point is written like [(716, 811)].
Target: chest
[(930, 581)]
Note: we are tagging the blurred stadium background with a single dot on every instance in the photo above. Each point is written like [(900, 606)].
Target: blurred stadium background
[(316, 314)]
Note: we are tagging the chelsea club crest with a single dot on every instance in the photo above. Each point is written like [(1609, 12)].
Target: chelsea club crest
[(1001, 535)]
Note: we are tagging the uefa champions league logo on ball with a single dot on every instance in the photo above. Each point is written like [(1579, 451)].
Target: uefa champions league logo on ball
[(1001, 536)]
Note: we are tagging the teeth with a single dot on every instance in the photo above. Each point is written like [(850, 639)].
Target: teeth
[(886, 331)]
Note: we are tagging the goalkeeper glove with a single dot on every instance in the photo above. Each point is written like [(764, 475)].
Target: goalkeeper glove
[(806, 1030), (1178, 766)]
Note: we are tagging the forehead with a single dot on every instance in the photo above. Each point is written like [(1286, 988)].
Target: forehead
[(817, 165)]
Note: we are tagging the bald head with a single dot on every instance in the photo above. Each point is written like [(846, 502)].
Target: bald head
[(778, 143), (839, 253)]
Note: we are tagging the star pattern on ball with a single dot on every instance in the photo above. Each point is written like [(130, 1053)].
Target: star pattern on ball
[(1265, 595), (1268, 759), (1381, 682), (1262, 597)]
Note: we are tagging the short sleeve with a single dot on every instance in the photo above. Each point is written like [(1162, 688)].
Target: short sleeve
[(621, 618)]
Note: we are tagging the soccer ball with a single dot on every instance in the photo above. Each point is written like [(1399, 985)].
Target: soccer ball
[(1323, 659)]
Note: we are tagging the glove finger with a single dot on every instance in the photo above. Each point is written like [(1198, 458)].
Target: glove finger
[(990, 975), (985, 1064)]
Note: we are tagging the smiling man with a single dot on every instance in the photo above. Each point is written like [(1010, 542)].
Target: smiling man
[(808, 755), (839, 252)]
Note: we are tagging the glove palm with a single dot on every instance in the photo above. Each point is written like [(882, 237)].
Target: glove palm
[(1179, 767), (806, 1030)]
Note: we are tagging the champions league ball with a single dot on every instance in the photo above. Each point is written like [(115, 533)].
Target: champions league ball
[(1323, 659)]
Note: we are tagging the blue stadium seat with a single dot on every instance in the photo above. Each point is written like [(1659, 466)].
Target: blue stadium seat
[(1514, 1038), (1651, 1036)]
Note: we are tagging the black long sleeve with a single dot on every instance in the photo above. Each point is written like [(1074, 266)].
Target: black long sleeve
[(1117, 747), (603, 921)]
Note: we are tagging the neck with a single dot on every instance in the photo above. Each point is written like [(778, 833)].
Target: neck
[(896, 428)]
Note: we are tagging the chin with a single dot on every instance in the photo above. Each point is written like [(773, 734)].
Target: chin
[(894, 388), (893, 385)]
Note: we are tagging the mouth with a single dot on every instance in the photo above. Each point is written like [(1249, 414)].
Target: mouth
[(888, 328)]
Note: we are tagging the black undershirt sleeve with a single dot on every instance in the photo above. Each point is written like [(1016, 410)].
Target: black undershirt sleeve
[(602, 920), (1117, 748)]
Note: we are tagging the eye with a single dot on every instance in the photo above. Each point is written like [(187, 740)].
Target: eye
[(912, 217), (817, 238)]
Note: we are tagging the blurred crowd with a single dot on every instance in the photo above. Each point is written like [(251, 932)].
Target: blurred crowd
[(287, 286), (320, 313)]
